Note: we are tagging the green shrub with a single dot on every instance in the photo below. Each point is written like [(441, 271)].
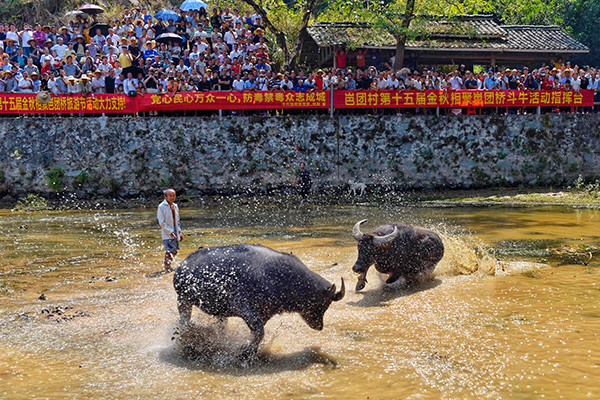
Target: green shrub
[(55, 178), (31, 202), (80, 180)]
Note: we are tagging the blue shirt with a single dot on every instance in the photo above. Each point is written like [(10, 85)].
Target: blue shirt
[(250, 84), (489, 82), (150, 53)]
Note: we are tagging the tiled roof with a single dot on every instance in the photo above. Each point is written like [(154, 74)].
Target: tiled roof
[(465, 26), (532, 37), (477, 32)]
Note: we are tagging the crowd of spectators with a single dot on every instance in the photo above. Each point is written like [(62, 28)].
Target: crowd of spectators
[(226, 50)]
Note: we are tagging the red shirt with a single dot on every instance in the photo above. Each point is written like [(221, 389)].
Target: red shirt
[(319, 82), (547, 85), (360, 60), (341, 59), (46, 68)]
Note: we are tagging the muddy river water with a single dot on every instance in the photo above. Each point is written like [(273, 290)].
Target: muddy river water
[(506, 317)]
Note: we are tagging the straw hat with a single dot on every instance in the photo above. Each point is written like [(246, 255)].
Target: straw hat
[(48, 41), (123, 40), (133, 41), (71, 78), (84, 77), (258, 31), (63, 28), (32, 40), (137, 20), (150, 43), (7, 72), (35, 73), (10, 40), (44, 97), (97, 72)]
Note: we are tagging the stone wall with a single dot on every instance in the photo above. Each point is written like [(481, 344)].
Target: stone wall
[(132, 156)]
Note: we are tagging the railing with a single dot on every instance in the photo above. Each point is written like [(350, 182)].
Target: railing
[(21, 103)]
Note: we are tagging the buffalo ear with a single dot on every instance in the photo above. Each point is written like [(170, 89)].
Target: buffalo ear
[(339, 295)]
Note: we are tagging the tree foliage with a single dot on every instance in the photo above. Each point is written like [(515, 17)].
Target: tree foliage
[(403, 19), (285, 22)]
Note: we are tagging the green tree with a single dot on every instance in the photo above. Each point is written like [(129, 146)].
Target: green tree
[(404, 19), (582, 19), (286, 22), (579, 18)]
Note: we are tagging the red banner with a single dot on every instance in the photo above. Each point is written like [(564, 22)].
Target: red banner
[(24, 103), (20, 103), (461, 98), (234, 100)]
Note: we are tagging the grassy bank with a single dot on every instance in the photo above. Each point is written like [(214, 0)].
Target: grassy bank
[(582, 194)]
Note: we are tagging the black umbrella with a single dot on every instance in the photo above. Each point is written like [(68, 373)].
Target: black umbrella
[(91, 9), (103, 29), (134, 71), (169, 37)]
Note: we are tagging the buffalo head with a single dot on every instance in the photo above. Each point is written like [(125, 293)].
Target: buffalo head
[(314, 311), (368, 246)]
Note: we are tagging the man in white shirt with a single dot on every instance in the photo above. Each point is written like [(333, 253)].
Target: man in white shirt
[(26, 35), (113, 36), (72, 86), (170, 229), (286, 84), (238, 83), (130, 84), (60, 48), (456, 81), (392, 83)]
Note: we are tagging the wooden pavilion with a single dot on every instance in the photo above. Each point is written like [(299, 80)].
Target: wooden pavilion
[(469, 39)]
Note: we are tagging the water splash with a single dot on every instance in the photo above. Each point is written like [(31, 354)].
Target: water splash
[(464, 255)]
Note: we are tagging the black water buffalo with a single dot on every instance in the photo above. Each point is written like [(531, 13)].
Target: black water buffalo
[(398, 249), (254, 283)]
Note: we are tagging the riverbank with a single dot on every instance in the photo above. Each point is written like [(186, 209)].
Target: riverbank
[(496, 197), (128, 158)]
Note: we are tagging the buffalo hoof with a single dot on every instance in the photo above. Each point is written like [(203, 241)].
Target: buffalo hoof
[(247, 353), (360, 285)]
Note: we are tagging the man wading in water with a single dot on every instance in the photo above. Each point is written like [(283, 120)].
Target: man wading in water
[(168, 219), (304, 182)]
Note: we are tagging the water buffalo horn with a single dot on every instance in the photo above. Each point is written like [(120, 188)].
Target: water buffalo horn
[(339, 295), (358, 235), (381, 240)]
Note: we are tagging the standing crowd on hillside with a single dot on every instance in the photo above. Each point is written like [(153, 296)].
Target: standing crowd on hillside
[(222, 50)]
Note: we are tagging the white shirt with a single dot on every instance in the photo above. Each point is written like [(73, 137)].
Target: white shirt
[(105, 68), (26, 86), (129, 85), (12, 35), (576, 84), (456, 82), (72, 88), (60, 50), (286, 85), (238, 84), (392, 84), (165, 219), (229, 38), (25, 36)]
